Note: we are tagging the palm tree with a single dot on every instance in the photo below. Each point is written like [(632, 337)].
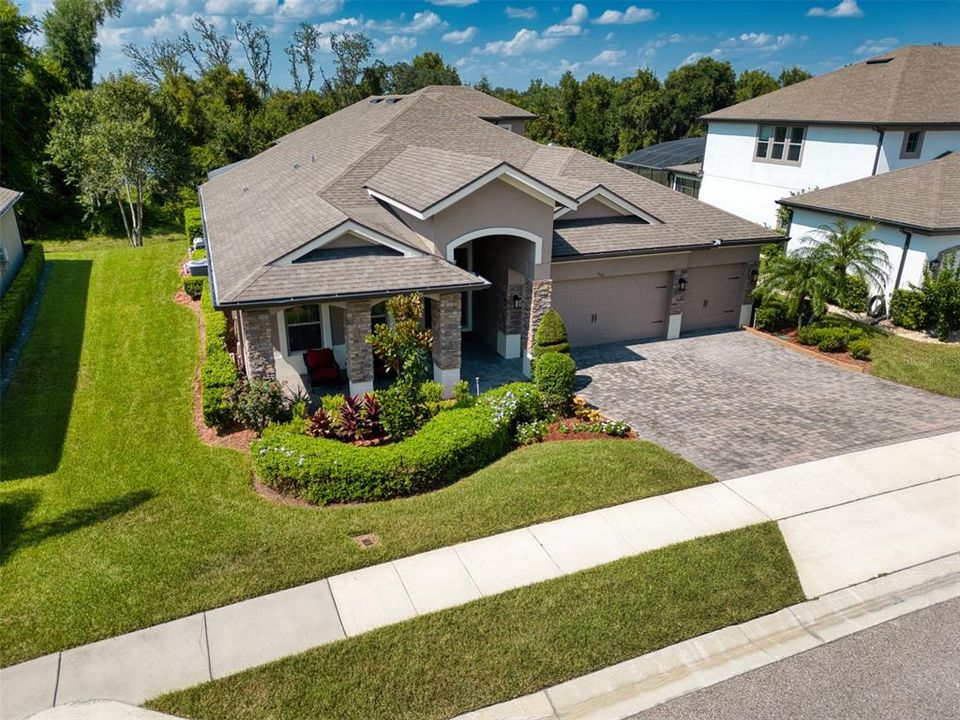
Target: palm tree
[(802, 279), (849, 250)]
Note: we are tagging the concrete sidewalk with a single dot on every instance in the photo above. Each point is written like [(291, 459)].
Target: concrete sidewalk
[(845, 519)]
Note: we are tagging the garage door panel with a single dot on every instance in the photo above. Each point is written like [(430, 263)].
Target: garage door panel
[(713, 297), (612, 309)]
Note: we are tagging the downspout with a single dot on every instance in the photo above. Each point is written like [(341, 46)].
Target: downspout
[(876, 158), (903, 258)]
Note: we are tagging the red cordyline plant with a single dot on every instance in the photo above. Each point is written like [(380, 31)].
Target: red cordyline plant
[(320, 425), (350, 425), (358, 419)]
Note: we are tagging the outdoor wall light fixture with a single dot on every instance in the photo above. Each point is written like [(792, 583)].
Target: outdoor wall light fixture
[(934, 265), (516, 302), (682, 284), (754, 274)]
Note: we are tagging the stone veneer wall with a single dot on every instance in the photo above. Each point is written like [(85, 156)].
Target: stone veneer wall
[(257, 344), (446, 331), (676, 298), (359, 352), (537, 295)]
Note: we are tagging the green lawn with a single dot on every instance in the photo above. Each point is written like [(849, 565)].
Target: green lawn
[(929, 366), (501, 647), (114, 516)]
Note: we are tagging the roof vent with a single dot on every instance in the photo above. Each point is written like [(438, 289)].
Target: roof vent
[(393, 101), (879, 61), (374, 101)]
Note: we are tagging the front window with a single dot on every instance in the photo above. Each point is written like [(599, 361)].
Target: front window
[(779, 144), (304, 329), (912, 143), (378, 315)]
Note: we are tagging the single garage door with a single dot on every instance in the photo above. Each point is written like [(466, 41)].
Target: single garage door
[(611, 309), (712, 298)]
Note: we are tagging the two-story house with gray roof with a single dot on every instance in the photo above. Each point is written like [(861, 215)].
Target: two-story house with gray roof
[(439, 192)]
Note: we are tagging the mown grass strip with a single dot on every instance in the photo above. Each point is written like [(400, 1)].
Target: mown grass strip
[(497, 648)]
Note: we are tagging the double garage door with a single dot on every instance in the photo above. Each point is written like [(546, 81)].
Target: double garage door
[(632, 307)]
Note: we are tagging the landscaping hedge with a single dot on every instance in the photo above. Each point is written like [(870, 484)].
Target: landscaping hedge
[(771, 312), (192, 223), (830, 338), (908, 309), (193, 286), (219, 372), (448, 447), (19, 294)]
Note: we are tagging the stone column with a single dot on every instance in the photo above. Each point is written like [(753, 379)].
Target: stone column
[(510, 319), (538, 294), (257, 344), (359, 352), (676, 305), (446, 341), (749, 285)]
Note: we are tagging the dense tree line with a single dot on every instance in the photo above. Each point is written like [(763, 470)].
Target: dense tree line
[(146, 137)]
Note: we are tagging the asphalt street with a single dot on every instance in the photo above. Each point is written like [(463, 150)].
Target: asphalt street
[(905, 669)]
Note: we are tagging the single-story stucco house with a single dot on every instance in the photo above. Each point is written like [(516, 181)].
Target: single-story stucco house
[(915, 212), (11, 244), (439, 192)]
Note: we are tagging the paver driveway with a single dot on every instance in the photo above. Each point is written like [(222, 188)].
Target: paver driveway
[(736, 404)]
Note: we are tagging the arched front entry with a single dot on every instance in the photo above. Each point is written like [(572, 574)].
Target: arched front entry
[(510, 258)]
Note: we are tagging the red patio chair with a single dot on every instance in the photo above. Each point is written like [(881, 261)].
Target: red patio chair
[(321, 366)]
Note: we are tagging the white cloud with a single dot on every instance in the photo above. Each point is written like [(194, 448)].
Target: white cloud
[(338, 26), (524, 13), (458, 37), (422, 22), (693, 57), (306, 8), (876, 47), (631, 15), (563, 31), (523, 42), (578, 15), (609, 58), (609, 37), (453, 3), (846, 9), (758, 42), (394, 44)]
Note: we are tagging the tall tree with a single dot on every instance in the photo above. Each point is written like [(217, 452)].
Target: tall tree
[(694, 90), (638, 109), (211, 49), (795, 74), (70, 30), (425, 69), (569, 97), (754, 83), (158, 60), (350, 52), (116, 143), (302, 51), (256, 48), (594, 130)]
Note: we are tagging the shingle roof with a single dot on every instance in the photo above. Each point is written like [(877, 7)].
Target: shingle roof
[(8, 198), (914, 85), (486, 106), (923, 197), (665, 154), (417, 149)]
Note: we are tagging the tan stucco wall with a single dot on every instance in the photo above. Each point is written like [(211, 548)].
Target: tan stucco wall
[(12, 246), (578, 269), (592, 208)]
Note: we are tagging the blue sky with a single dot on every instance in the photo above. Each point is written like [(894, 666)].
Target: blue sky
[(513, 41)]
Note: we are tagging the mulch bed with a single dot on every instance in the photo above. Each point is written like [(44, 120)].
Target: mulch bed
[(788, 338), (237, 440), (553, 434)]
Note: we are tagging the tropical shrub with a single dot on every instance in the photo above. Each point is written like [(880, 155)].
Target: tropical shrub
[(856, 295), (771, 314), (257, 403), (193, 286), (829, 338), (403, 346), (402, 409), (431, 392), (832, 340), (192, 223), (851, 259), (942, 296), (908, 309), (551, 335), (860, 349), (20, 293), (554, 374), (802, 282), (356, 419)]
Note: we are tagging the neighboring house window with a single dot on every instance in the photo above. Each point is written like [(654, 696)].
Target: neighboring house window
[(779, 144), (912, 143), (686, 185), (304, 330), (378, 314)]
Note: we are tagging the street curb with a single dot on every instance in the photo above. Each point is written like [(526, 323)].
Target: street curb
[(630, 687)]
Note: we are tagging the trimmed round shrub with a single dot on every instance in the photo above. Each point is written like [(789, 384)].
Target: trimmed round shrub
[(551, 335), (908, 309), (860, 349), (193, 286), (772, 314), (554, 374), (832, 340)]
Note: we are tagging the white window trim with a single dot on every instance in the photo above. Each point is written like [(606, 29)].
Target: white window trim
[(904, 155), (523, 182), (345, 228), (611, 200), (325, 331), (786, 144)]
